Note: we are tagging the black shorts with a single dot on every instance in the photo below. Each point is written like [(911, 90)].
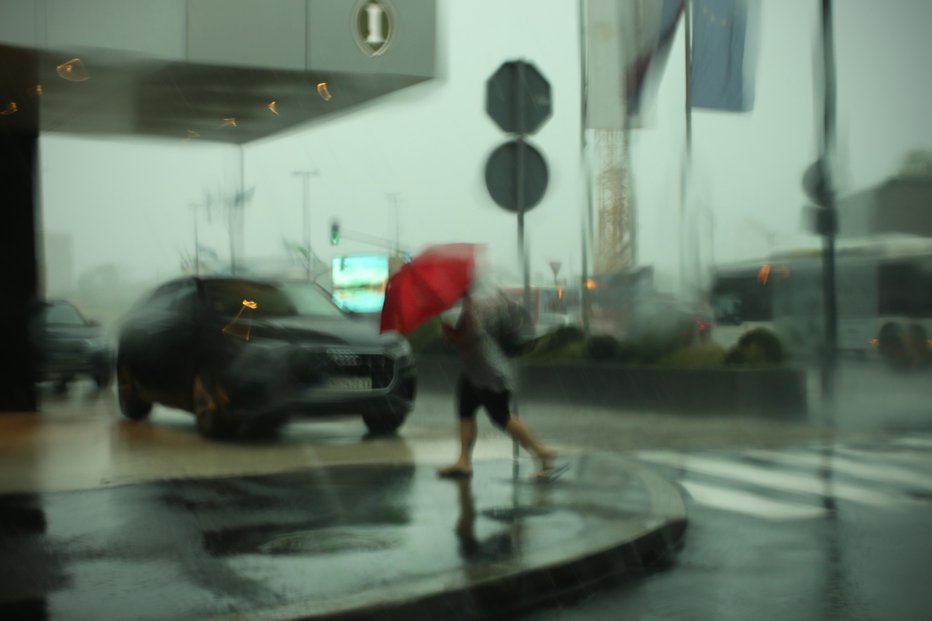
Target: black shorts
[(496, 403)]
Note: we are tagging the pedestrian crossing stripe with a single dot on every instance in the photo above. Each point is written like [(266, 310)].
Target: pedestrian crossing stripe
[(909, 459), (891, 474), (767, 477), (920, 442), (748, 503), (876, 478)]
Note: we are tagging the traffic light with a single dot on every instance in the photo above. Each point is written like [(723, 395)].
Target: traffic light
[(334, 233)]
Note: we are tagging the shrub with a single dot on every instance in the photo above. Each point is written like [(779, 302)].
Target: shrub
[(696, 357), (565, 335), (429, 339), (602, 348), (628, 353), (756, 347), (563, 342)]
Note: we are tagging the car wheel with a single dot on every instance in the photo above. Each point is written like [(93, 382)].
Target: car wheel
[(209, 408), (383, 423), (131, 405)]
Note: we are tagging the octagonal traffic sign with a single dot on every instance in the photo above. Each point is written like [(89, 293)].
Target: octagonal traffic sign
[(518, 97)]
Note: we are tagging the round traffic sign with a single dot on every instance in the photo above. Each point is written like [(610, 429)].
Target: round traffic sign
[(514, 166)]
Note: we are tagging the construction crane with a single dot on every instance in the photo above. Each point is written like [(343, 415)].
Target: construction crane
[(615, 238)]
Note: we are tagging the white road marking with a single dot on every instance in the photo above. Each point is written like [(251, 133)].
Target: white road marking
[(899, 458), (859, 469), (749, 504), (914, 441), (765, 477)]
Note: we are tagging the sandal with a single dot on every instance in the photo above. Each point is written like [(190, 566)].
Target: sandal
[(453, 472), (551, 473)]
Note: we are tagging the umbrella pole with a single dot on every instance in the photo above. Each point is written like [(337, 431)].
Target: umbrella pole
[(514, 443)]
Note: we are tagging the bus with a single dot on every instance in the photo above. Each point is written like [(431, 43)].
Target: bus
[(883, 292)]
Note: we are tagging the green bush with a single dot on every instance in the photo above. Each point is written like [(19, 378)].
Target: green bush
[(564, 336), (429, 339), (757, 347), (602, 348), (564, 342), (695, 357), (627, 353)]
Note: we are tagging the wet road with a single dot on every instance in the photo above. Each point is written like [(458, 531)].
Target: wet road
[(773, 533), (772, 537), (146, 520), (833, 526)]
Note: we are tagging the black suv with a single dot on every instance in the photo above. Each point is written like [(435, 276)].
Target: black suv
[(246, 353), (68, 345)]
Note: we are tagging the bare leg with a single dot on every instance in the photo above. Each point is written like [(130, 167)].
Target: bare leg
[(520, 432), (463, 465)]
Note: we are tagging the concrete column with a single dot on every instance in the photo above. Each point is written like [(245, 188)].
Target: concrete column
[(19, 148)]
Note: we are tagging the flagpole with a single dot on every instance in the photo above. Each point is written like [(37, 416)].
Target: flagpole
[(687, 157), (587, 223), (688, 21)]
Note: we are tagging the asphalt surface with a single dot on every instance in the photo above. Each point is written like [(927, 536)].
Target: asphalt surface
[(105, 519), (817, 532)]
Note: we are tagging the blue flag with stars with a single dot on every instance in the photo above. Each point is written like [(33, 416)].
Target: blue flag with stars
[(722, 78)]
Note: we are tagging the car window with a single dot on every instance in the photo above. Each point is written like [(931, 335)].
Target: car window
[(176, 296), (184, 299), (64, 315), (272, 300)]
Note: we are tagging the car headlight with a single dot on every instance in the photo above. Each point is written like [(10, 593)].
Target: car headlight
[(95, 343), (401, 350)]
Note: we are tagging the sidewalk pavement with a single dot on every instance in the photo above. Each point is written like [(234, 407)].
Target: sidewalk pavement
[(384, 540)]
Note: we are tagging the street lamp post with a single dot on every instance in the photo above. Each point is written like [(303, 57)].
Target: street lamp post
[(197, 242), (395, 198), (306, 226)]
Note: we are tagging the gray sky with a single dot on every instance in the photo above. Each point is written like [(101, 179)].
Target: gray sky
[(127, 201)]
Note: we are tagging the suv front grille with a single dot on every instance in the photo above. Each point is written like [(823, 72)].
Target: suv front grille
[(347, 363)]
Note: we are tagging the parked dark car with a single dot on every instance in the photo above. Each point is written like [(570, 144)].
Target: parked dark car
[(68, 345), (244, 353)]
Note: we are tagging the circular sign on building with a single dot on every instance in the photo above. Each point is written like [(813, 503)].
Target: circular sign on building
[(374, 26), (516, 176)]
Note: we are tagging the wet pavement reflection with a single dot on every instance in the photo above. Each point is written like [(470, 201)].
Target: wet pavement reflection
[(323, 540)]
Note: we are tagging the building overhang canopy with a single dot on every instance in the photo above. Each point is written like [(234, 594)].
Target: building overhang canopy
[(231, 71)]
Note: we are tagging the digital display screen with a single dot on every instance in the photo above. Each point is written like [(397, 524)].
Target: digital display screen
[(359, 283)]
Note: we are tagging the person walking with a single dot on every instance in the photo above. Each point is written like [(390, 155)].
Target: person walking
[(487, 380)]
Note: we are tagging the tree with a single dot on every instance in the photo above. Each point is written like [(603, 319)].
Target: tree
[(916, 163), (310, 263)]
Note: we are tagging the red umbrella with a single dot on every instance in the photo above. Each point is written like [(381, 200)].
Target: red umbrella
[(430, 284)]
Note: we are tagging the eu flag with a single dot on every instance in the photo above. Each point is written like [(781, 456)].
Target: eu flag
[(722, 79)]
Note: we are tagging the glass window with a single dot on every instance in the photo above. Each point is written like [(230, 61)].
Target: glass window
[(899, 288), (741, 299), (63, 314), (226, 298)]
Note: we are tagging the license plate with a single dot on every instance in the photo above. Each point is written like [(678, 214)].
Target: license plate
[(350, 383)]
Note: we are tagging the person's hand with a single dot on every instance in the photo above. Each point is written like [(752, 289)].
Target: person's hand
[(452, 334)]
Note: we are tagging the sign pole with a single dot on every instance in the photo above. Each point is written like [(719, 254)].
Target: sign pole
[(519, 207), (520, 82), (828, 247), (516, 165)]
